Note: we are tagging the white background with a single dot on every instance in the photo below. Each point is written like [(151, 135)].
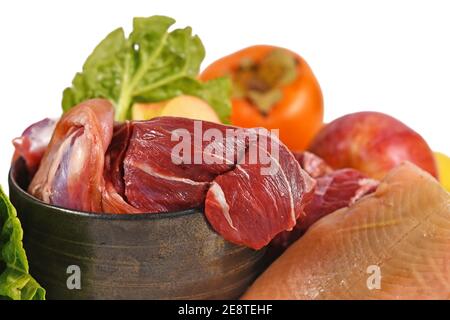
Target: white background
[(389, 56)]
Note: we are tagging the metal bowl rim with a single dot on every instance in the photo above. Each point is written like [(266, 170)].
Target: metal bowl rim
[(93, 215)]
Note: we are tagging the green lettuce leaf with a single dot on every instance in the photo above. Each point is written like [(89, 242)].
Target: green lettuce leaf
[(15, 280), (151, 65)]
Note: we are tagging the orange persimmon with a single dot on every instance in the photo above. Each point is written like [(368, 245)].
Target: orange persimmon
[(274, 88)]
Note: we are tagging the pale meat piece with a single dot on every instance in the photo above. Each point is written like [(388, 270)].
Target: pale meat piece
[(403, 228), (71, 171), (33, 142)]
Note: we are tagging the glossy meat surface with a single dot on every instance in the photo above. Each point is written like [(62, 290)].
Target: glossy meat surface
[(71, 171)]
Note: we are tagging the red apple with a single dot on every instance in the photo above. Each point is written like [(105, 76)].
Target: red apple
[(372, 143)]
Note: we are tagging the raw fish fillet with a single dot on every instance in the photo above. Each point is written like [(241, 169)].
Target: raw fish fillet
[(403, 229)]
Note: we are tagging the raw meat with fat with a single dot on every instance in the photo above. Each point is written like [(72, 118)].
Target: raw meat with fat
[(155, 181), (336, 190), (139, 167), (71, 171), (248, 207), (113, 200), (312, 164)]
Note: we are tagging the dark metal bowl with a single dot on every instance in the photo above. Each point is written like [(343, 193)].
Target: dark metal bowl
[(148, 256)]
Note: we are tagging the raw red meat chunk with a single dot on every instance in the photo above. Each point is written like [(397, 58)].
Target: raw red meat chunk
[(312, 164), (157, 180), (335, 190), (248, 207), (250, 185), (113, 195), (71, 171)]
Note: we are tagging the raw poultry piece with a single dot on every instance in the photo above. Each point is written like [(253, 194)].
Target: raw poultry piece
[(403, 229)]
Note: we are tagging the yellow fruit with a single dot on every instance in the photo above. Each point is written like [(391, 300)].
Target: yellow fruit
[(443, 163), (146, 111), (181, 106), (190, 107)]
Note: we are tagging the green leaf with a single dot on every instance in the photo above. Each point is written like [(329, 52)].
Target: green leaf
[(150, 61), (101, 72), (15, 280)]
